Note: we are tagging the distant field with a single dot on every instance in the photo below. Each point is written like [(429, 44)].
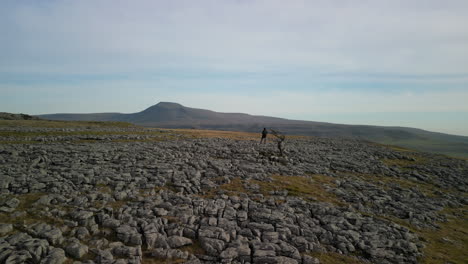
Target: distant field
[(61, 124), (459, 150), (441, 146)]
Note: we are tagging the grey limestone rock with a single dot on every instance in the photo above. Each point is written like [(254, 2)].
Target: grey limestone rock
[(6, 252), (127, 252), (214, 232), (104, 256), (111, 223), (5, 228), (230, 253), (76, 250), (6, 209), (169, 254), (81, 232), (12, 203), (178, 241), (144, 193), (310, 260), (5, 182), (129, 235), (55, 256), (52, 234), (270, 236), (212, 246), (18, 256), (160, 211), (38, 248)]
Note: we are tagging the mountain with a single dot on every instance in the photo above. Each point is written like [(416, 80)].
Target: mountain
[(173, 115)]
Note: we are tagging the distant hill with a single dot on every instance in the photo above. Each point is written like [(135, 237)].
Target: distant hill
[(173, 115), (10, 116)]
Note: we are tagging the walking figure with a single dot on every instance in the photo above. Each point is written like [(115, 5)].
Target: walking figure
[(264, 135)]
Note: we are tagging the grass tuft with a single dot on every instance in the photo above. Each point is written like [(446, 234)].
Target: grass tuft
[(312, 187), (449, 243), (194, 249), (333, 258)]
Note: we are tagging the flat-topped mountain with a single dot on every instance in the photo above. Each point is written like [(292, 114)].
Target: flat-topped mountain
[(173, 115)]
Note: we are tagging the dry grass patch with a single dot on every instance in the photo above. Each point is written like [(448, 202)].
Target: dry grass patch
[(237, 135), (397, 148), (334, 258), (159, 138), (172, 219), (148, 259), (157, 135), (449, 243), (234, 187), (27, 200), (313, 187), (103, 188), (404, 163), (61, 124), (32, 212), (18, 142), (201, 133), (194, 249), (116, 205)]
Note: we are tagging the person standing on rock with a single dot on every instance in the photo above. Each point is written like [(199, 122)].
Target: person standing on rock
[(264, 135)]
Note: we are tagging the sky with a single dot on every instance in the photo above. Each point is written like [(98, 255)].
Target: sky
[(376, 62)]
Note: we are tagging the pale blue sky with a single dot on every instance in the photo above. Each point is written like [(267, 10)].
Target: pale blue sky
[(395, 63)]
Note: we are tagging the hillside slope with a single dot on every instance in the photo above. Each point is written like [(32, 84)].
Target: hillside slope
[(173, 115)]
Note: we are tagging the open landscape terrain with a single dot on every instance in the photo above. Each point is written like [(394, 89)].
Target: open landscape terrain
[(173, 115), (113, 192)]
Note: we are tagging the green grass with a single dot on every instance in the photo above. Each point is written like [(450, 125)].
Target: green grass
[(311, 187), (76, 133), (27, 137), (404, 163), (3, 142), (31, 211), (195, 248), (452, 149), (449, 243)]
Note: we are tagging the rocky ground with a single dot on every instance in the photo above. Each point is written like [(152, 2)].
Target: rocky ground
[(113, 194)]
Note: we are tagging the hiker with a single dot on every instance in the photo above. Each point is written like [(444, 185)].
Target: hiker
[(264, 135)]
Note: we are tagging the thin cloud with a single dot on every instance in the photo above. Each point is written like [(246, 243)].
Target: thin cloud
[(396, 37)]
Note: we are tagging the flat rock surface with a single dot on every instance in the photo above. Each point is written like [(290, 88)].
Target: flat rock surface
[(126, 195)]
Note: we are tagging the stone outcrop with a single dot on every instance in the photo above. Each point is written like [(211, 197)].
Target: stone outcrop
[(205, 200)]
